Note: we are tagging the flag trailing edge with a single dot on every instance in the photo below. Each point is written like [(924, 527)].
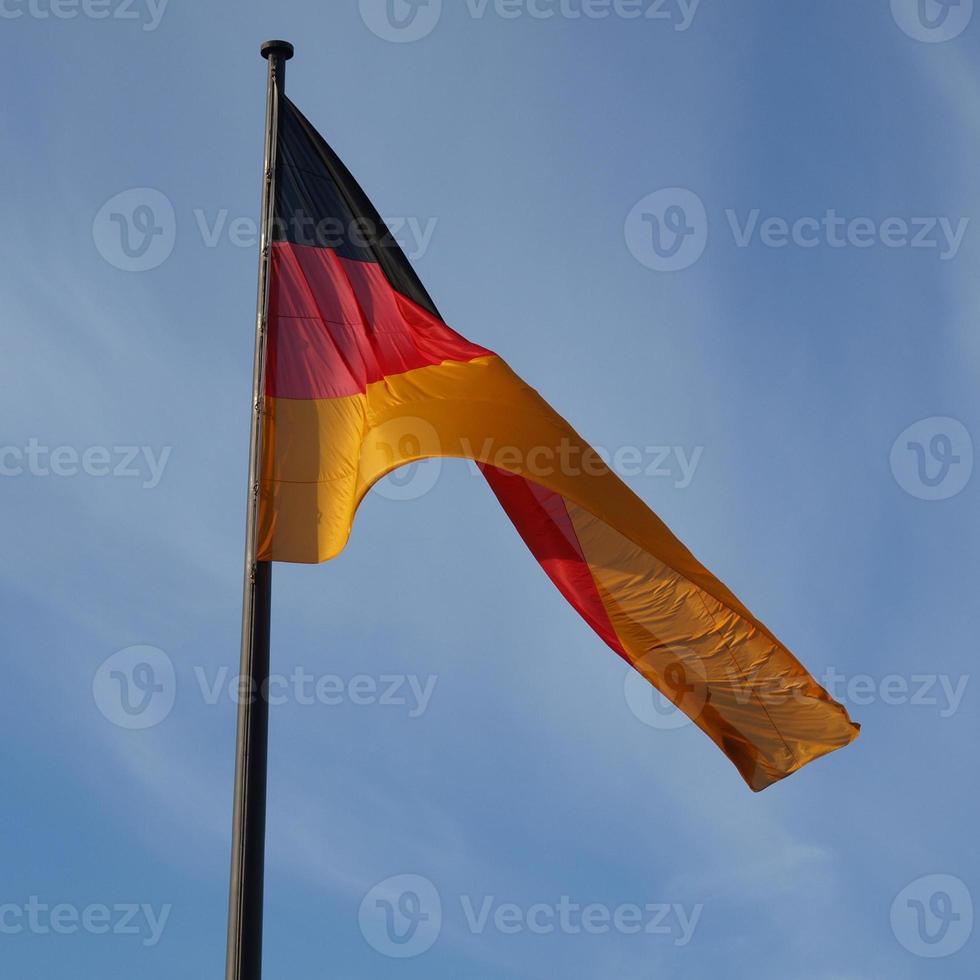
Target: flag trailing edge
[(362, 376)]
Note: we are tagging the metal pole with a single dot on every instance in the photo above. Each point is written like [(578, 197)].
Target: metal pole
[(244, 960)]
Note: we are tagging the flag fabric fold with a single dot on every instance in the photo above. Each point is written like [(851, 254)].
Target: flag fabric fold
[(362, 376)]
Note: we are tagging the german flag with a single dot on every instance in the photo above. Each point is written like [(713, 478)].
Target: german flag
[(362, 376)]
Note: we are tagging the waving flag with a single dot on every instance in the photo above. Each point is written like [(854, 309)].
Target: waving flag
[(362, 376)]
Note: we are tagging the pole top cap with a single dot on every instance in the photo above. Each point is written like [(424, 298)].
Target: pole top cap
[(281, 49)]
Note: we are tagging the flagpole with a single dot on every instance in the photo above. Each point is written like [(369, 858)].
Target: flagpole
[(244, 960)]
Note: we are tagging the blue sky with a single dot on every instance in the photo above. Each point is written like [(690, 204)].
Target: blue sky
[(823, 327)]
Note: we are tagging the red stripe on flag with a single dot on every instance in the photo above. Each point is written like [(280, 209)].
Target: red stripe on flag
[(542, 521), (336, 325)]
